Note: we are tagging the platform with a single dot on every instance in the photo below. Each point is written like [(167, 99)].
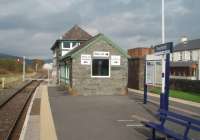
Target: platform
[(97, 117), (54, 114)]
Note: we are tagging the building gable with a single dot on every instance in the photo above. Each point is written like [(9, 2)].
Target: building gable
[(76, 33), (90, 43)]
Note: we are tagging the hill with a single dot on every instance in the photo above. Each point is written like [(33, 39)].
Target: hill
[(7, 56)]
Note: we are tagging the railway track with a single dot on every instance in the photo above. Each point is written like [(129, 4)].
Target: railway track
[(14, 109)]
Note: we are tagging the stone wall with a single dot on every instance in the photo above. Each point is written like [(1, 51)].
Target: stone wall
[(84, 84)]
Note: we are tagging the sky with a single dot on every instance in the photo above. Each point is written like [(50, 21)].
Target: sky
[(30, 27)]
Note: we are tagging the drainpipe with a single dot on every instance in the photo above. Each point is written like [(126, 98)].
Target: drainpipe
[(198, 70)]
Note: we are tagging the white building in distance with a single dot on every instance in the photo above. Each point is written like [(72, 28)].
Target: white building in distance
[(185, 60)]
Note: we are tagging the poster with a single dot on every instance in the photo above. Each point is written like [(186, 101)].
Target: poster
[(150, 73)]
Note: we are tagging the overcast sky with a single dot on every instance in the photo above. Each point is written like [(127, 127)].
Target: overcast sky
[(30, 27)]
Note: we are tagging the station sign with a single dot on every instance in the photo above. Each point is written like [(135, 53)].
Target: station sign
[(164, 48), (100, 54), (85, 59), (115, 60)]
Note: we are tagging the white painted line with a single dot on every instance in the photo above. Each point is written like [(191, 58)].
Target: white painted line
[(170, 98), (179, 109), (125, 120), (134, 125), (23, 132)]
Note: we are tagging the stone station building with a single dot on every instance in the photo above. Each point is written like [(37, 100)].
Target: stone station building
[(96, 67)]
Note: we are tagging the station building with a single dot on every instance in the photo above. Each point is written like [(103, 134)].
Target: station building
[(68, 41), (96, 66)]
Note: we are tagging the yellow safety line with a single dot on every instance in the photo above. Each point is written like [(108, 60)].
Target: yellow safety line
[(47, 127)]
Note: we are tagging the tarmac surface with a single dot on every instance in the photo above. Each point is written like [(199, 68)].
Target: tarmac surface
[(54, 114), (97, 117), (190, 109)]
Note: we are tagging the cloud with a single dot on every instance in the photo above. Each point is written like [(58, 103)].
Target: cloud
[(32, 26)]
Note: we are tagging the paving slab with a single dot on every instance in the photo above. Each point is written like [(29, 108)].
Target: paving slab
[(97, 117), (32, 130)]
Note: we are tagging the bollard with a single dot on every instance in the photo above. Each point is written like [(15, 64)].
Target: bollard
[(3, 82)]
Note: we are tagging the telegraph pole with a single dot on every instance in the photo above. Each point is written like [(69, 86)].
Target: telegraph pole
[(36, 67), (24, 68)]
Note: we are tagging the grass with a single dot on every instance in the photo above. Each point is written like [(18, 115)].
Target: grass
[(11, 79), (190, 96)]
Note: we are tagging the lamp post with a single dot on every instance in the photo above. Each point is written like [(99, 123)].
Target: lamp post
[(163, 21), (164, 97)]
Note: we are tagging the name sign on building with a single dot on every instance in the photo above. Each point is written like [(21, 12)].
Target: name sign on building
[(115, 60), (85, 59), (100, 54), (164, 48)]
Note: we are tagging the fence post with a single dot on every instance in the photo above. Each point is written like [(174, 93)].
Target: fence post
[(145, 85), (3, 82)]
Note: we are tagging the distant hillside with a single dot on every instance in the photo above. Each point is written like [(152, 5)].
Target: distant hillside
[(28, 61), (7, 56)]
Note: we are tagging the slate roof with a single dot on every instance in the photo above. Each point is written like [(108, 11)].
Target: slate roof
[(82, 45), (190, 45), (183, 64), (76, 33), (85, 44)]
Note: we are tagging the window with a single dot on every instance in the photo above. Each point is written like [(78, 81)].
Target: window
[(100, 68), (181, 56), (191, 56), (74, 44), (66, 44)]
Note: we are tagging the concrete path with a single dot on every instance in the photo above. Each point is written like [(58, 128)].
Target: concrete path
[(97, 117)]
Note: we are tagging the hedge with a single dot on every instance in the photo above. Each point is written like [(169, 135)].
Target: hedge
[(185, 85)]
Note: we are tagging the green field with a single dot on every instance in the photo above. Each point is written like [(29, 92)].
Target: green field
[(190, 96)]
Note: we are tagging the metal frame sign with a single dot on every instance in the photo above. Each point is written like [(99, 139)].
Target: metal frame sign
[(85, 59), (162, 54), (164, 48), (150, 73), (153, 73)]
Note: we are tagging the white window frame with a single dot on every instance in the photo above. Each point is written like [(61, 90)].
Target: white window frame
[(109, 73), (63, 48)]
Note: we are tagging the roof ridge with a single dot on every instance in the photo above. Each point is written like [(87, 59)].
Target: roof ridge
[(197, 39), (76, 33)]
